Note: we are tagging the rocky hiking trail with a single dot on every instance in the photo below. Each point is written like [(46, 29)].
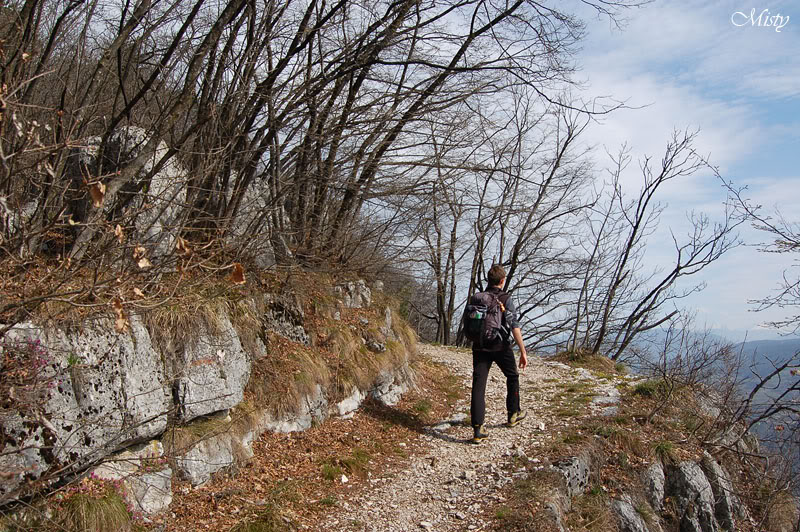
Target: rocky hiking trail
[(450, 484)]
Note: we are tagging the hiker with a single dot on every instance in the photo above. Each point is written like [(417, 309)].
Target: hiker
[(494, 306)]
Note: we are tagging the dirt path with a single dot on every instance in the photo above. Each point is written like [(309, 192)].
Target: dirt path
[(448, 485)]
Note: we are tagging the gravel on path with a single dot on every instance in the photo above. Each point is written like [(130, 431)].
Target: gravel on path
[(449, 483)]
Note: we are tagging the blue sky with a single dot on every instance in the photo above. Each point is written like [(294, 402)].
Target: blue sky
[(687, 65)]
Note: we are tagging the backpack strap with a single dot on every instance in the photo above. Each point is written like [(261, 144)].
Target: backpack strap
[(502, 298)]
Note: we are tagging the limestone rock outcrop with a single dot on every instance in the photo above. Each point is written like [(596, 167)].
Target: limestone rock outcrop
[(104, 393)]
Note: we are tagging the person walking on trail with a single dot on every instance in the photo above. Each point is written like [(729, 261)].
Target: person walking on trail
[(490, 319)]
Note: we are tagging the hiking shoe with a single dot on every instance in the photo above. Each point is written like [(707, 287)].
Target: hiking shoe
[(480, 434), (516, 417)]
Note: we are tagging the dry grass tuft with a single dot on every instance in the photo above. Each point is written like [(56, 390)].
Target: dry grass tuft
[(591, 512), (272, 516), (287, 373), (525, 509), (179, 324), (585, 359), (178, 440), (87, 513)]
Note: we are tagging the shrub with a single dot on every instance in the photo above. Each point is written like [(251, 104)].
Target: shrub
[(24, 379)]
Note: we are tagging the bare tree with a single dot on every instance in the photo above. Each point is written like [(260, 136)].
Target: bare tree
[(633, 303), (772, 391)]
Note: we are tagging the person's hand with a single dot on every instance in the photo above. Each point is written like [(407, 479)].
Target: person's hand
[(523, 361)]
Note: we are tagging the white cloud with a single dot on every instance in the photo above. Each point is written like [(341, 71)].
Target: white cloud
[(693, 69)]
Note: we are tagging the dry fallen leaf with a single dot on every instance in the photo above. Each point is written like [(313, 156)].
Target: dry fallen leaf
[(98, 192), (118, 232), (183, 247), (144, 263), (237, 276), (138, 292)]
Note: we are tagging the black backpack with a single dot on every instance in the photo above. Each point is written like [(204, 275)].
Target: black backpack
[(484, 320)]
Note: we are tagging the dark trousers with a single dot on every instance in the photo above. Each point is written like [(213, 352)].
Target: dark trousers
[(481, 362)]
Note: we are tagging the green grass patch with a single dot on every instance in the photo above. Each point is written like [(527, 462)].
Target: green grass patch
[(330, 500), (423, 406), (268, 520), (571, 439), (650, 388), (331, 471), (567, 412), (585, 359), (504, 512), (665, 451), (357, 463)]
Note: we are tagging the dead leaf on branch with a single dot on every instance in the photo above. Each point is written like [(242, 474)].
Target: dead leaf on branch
[(98, 193), (139, 253), (121, 323), (237, 276), (183, 247)]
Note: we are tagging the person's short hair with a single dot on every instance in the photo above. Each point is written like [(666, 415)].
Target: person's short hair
[(495, 274)]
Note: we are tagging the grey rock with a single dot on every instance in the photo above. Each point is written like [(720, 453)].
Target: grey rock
[(375, 346), (610, 397), (707, 406), (148, 483), (749, 444), (12, 219), (123, 464), (653, 481), (354, 294), (575, 470), (206, 457), (728, 507), (107, 390), (284, 315), (350, 404), (556, 508), (150, 493), (457, 419), (212, 374), (377, 286), (694, 498), (628, 518), (386, 330), (249, 226), (311, 409), (391, 385), (155, 208)]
